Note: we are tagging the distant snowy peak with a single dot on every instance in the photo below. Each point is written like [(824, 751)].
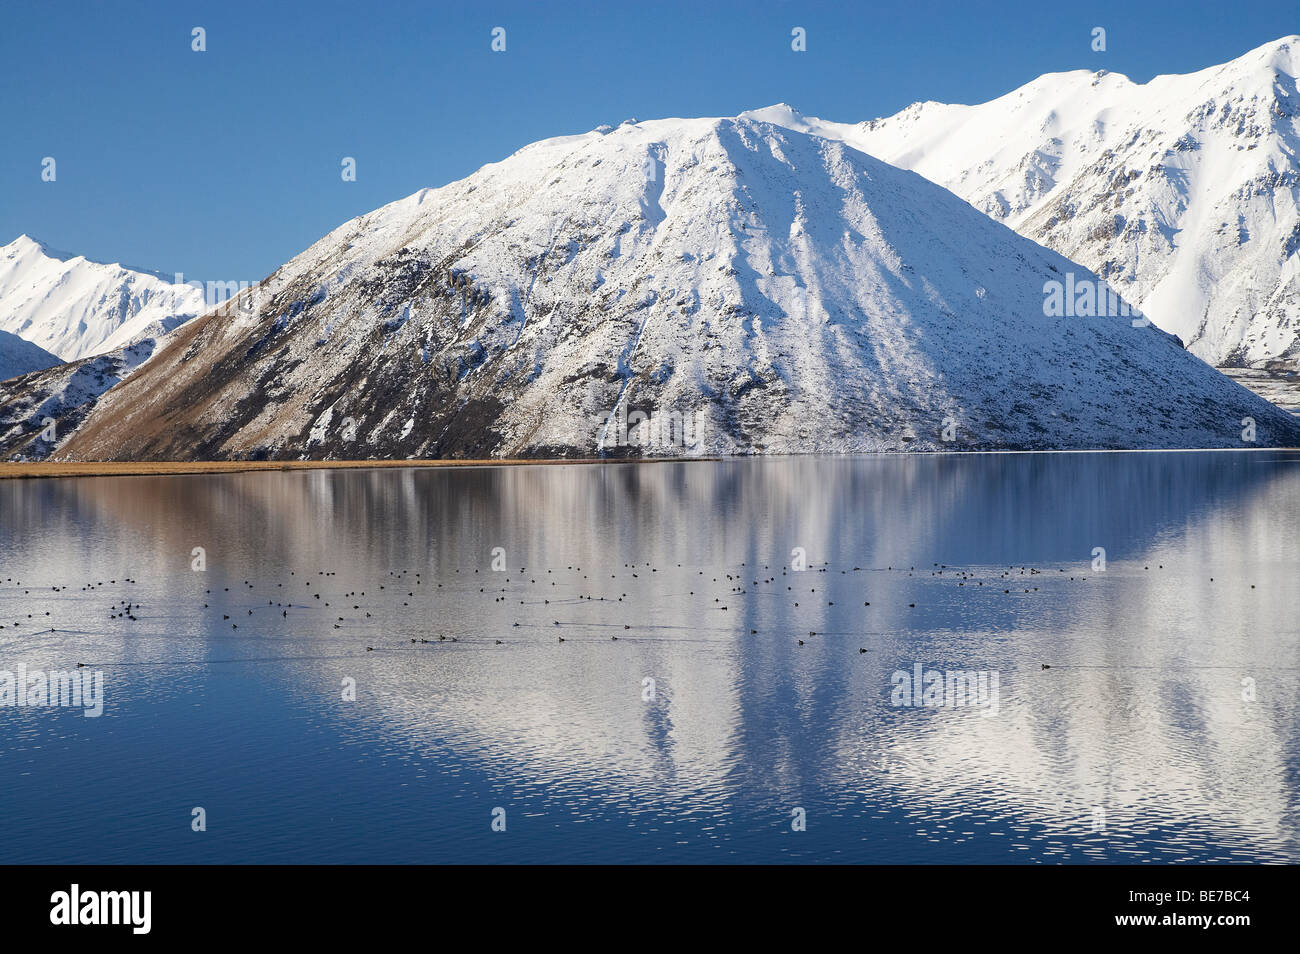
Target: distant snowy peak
[(1013, 152), (19, 356), (74, 307), (1183, 192), (26, 242)]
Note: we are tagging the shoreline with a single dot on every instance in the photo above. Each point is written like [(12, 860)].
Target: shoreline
[(10, 470), (162, 468)]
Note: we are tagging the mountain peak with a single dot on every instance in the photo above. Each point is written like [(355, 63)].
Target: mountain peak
[(74, 306), (1282, 45), (779, 114), (25, 244)]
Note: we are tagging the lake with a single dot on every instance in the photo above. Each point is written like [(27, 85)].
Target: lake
[(647, 675)]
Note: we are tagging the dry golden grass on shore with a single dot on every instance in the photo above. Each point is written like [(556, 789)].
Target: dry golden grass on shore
[(156, 468)]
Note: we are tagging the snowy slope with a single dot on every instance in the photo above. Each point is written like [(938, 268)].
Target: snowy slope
[(1184, 192), (74, 307), (795, 293), (64, 393), (18, 356)]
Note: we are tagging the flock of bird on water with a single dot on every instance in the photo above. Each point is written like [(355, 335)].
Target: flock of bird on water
[(354, 606)]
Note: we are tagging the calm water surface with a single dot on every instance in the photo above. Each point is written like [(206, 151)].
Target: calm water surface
[(1164, 730)]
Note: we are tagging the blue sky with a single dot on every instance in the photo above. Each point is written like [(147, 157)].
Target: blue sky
[(226, 163)]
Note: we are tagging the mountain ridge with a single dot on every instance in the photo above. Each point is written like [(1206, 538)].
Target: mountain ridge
[(786, 290)]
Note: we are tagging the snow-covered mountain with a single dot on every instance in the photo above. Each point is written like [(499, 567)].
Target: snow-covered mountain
[(1183, 192), (18, 356), (62, 394), (775, 290), (73, 307)]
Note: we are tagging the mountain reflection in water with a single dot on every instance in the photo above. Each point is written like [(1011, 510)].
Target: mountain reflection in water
[(1164, 729)]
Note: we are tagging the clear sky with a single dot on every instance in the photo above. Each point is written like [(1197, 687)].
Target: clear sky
[(226, 163)]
